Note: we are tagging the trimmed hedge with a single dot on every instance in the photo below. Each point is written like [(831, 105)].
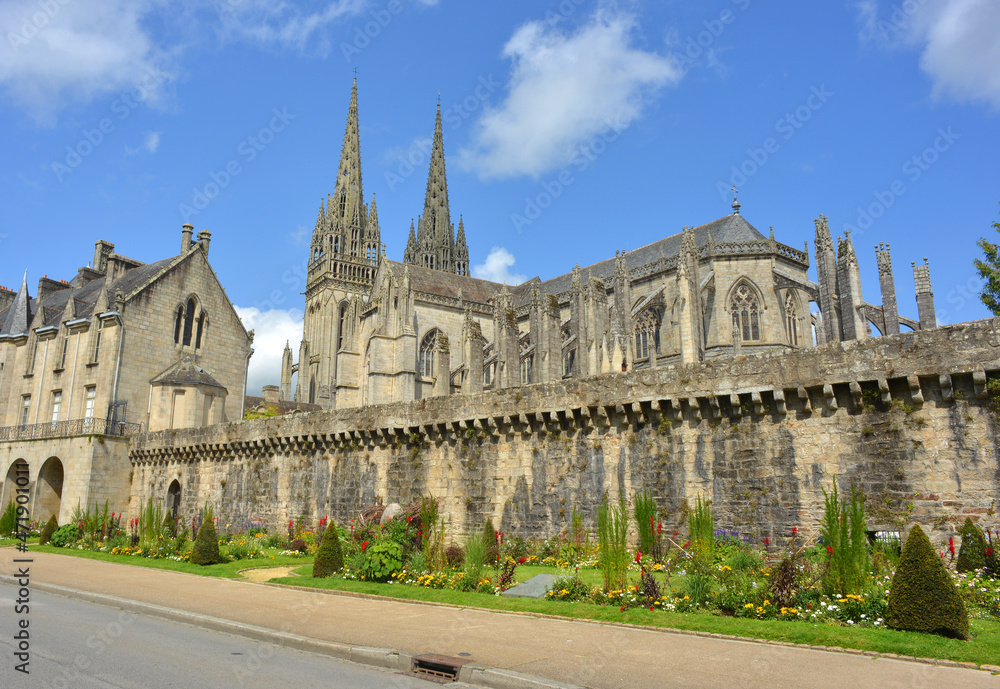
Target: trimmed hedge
[(206, 545), (329, 556), (972, 554), (922, 596), (50, 528)]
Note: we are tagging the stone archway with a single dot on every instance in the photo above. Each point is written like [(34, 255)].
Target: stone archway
[(18, 468), (174, 499), (48, 490)]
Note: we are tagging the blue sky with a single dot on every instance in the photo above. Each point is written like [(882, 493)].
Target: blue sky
[(573, 128)]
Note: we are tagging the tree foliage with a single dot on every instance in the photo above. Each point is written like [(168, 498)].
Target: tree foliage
[(988, 268), (329, 556), (206, 545)]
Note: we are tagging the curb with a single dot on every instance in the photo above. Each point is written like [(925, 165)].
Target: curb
[(384, 658)]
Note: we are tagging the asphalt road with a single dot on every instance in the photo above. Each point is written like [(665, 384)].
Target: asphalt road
[(80, 645)]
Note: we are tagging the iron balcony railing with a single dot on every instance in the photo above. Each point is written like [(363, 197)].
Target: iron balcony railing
[(66, 429)]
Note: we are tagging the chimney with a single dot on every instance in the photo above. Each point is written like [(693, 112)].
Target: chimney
[(204, 237), (102, 251), (186, 231), (47, 287), (6, 298), (270, 393)]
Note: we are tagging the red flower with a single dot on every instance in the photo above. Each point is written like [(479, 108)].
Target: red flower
[(522, 560), (688, 543), (659, 527), (795, 530), (623, 608), (951, 546), (363, 546), (829, 549), (638, 556), (989, 551), (409, 520), (676, 533), (767, 541), (651, 607)]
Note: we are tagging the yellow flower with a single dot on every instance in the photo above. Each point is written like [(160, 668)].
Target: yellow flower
[(767, 602), (687, 598), (748, 605)]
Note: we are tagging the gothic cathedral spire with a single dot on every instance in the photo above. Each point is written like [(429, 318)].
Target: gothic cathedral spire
[(436, 245)]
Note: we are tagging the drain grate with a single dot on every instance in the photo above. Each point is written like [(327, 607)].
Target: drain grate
[(437, 667)]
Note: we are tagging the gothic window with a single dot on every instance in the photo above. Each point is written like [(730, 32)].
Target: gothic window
[(178, 324), (647, 334), (569, 359), (425, 366), (189, 321), (342, 326), (791, 321), (526, 365), (201, 329), (746, 313), (343, 203), (488, 374)]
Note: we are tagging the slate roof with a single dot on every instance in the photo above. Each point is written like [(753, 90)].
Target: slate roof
[(447, 284), (16, 318), (186, 372), (731, 228)]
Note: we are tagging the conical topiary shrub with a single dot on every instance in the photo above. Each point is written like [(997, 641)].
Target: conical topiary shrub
[(972, 554), (922, 596), (329, 555), (50, 528), (206, 545)]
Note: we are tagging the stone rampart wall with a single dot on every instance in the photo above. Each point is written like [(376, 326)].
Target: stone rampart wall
[(907, 419)]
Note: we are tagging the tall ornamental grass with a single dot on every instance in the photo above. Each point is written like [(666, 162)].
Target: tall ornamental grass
[(846, 540), (612, 554)]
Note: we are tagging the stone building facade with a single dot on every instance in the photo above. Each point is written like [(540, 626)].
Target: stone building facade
[(122, 347), (379, 331)]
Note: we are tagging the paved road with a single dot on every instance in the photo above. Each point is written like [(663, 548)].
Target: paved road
[(581, 653), (81, 645)]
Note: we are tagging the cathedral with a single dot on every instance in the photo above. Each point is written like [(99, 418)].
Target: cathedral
[(379, 331)]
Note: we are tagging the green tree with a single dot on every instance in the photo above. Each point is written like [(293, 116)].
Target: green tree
[(50, 528), (972, 554), (988, 268), (206, 545), (329, 556)]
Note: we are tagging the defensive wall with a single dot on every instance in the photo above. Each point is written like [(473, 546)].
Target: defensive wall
[(908, 419)]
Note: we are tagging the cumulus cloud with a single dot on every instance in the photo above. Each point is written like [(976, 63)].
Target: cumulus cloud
[(564, 90), (284, 23), (75, 51), (497, 268), (957, 40), (272, 329)]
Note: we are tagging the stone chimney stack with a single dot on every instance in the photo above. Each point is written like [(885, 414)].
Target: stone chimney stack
[(925, 296), (204, 238), (889, 308), (270, 393), (186, 231)]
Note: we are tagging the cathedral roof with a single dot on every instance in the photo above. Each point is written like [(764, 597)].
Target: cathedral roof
[(731, 228), (444, 284)]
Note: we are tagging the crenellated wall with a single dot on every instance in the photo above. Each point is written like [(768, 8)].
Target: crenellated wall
[(907, 419)]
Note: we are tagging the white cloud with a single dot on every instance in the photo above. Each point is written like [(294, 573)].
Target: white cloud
[(271, 330), (957, 39), (76, 52), (152, 142), (284, 23), (497, 268), (564, 90)]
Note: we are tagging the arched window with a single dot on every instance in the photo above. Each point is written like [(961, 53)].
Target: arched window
[(746, 313), (647, 334), (343, 203), (791, 321), (569, 361), (425, 365), (341, 325), (189, 321), (201, 329), (178, 324), (526, 366), (312, 391)]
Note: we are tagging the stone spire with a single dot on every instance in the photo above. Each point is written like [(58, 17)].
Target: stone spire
[(461, 250), (410, 255), (435, 233), (890, 311), (826, 272), (925, 295), (19, 313)]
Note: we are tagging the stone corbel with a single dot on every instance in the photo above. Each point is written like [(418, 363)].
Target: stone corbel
[(779, 402), (829, 399), (695, 408), (979, 381), (803, 396), (947, 388), (758, 403), (884, 392), (915, 394), (856, 393), (713, 406)]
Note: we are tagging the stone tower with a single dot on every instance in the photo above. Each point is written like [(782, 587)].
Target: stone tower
[(344, 254), (925, 295), (889, 309), (433, 244)]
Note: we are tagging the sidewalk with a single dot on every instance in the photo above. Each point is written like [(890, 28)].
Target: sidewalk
[(598, 656)]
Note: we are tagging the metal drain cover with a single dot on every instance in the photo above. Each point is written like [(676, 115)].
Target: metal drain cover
[(436, 667)]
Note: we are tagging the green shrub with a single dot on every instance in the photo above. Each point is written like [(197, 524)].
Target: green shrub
[(475, 558), (169, 526), (329, 556), (568, 588), (50, 528), (922, 597), (8, 522), (612, 553), (206, 543), (382, 559), (65, 535), (491, 550), (701, 529), (644, 512), (972, 554), (846, 540)]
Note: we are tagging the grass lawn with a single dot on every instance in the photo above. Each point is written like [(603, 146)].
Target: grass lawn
[(982, 648), (228, 570)]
